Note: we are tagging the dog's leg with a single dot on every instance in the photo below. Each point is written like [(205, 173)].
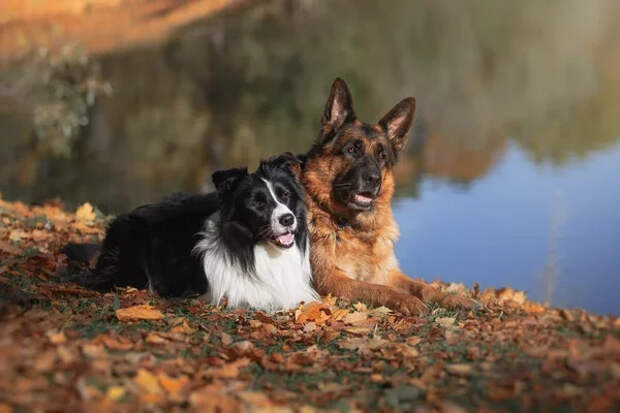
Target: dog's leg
[(374, 294), (428, 293), (330, 280)]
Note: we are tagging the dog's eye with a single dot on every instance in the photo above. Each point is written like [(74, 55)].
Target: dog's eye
[(284, 196), (258, 204)]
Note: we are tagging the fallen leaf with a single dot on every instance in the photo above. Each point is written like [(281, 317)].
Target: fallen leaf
[(330, 300), (94, 351), (11, 249), (242, 347), (255, 323), (85, 213), (459, 369), (380, 312), (445, 321), (213, 398), (65, 354), (45, 361), (356, 317), (310, 327), (115, 393), (330, 335), (175, 387), (256, 399), (226, 339), (413, 340), (56, 337), (39, 235), (358, 330), (230, 370), (452, 336), (17, 235), (155, 338), (366, 343), (183, 328), (339, 314), (313, 311), (534, 308), (147, 382), (139, 312), (116, 343)]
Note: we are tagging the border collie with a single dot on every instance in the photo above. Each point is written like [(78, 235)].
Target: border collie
[(247, 242)]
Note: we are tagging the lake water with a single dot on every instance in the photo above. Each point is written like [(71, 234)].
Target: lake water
[(510, 177), (554, 232)]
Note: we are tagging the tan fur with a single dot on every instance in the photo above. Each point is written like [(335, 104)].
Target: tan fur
[(356, 261)]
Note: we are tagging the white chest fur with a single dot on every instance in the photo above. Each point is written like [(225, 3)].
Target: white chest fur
[(281, 280)]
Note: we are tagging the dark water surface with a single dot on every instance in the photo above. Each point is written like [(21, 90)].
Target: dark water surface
[(511, 175)]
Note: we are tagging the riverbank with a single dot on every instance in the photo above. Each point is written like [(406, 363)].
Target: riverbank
[(66, 348), (98, 26)]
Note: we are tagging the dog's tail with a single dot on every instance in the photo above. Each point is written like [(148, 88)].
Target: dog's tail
[(81, 267)]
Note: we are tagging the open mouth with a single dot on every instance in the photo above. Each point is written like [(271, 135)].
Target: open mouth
[(285, 240), (362, 201)]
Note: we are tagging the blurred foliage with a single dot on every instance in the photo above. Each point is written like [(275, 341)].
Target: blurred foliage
[(58, 89), (252, 82)]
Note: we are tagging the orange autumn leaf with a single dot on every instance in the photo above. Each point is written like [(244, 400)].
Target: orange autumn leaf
[(56, 337), (356, 317), (230, 370), (115, 393), (85, 213), (330, 300), (116, 343), (534, 308), (147, 382), (139, 312), (175, 387), (213, 398), (339, 314), (313, 311)]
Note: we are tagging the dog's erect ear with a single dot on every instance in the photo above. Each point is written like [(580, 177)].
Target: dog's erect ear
[(226, 181), (338, 110), (397, 123), (288, 161)]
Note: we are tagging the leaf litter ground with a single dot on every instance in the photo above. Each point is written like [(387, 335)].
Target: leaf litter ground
[(64, 348)]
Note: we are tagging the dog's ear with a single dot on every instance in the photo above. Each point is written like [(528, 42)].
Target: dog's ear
[(226, 181), (338, 110), (397, 123), (288, 161)]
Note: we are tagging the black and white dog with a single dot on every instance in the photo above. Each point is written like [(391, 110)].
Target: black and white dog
[(248, 243)]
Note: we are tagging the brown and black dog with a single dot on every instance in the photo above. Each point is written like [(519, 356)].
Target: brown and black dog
[(349, 183)]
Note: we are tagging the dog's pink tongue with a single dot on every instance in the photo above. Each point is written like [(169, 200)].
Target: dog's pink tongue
[(363, 199), (286, 239)]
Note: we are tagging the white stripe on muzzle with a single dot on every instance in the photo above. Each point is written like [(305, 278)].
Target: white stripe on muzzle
[(279, 211)]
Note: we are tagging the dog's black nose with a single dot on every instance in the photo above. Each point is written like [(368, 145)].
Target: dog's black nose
[(371, 177), (287, 220)]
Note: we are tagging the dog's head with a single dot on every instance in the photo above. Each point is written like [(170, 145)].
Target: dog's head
[(266, 205), (349, 169)]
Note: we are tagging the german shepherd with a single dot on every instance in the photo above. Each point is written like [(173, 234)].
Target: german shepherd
[(349, 182)]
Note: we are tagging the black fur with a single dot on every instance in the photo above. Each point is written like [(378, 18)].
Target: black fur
[(155, 242)]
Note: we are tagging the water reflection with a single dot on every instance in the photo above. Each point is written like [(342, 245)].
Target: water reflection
[(490, 78), (551, 231)]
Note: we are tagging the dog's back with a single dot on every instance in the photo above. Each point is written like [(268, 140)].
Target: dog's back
[(152, 247)]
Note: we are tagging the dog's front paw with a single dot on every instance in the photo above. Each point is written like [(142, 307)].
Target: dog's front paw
[(407, 304)]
